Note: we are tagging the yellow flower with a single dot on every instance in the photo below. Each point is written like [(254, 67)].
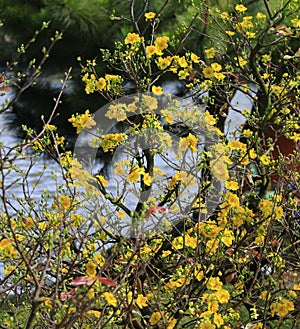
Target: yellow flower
[(224, 15), (198, 272), (102, 180), (177, 242), (150, 102), (141, 301), (250, 35), (135, 174), (241, 8), (161, 43), (99, 259), (111, 141), (219, 169), (154, 318), (214, 283), (171, 323), (149, 15), (132, 38), (28, 223), (117, 111), (157, 90), (210, 52), (121, 214), (190, 241), (230, 33), (232, 199), (260, 15), (222, 295), (232, 185), (166, 253), (265, 159), (152, 50), (240, 61), (296, 23), (190, 141), (209, 118), (195, 58), (181, 61), (110, 298), (216, 67), (101, 84), (91, 269), (218, 320), (147, 179), (236, 145), (211, 246), (227, 237), (208, 72), (81, 121), (163, 62), (95, 313), (252, 154), (246, 23), (219, 76), (282, 308)]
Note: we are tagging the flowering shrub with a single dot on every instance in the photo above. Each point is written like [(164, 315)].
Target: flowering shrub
[(205, 237)]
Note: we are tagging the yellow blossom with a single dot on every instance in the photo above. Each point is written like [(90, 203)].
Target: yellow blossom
[(241, 8), (219, 76), (219, 169), (181, 61), (147, 179), (260, 15), (195, 58), (210, 52), (208, 72), (102, 180), (152, 50), (198, 272), (91, 269), (101, 84), (154, 318), (81, 121), (216, 67), (227, 237), (132, 38), (232, 185), (135, 174), (110, 298), (265, 159), (141, 301), (163, 62), (161, 43), (296, 23), (171, 323), (150, 102), (252, 154), (149, 15), (95, 313), (218, 320), (224, 15), (190, 142), (157, 90), (222, 295), (230, 33), (232, 199), (282, 307)]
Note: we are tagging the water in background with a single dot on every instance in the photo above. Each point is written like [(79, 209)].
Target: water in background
[(31, 175)]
